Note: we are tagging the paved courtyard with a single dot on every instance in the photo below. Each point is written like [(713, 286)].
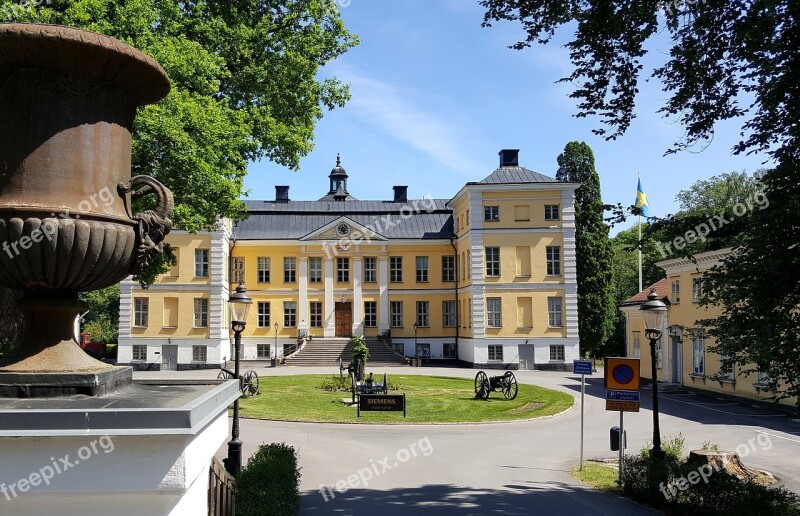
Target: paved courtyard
[(504, 468)]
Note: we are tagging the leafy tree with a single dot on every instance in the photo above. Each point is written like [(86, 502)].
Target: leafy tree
[(718, 192), (102, 319), (245, 86), (592, 248)]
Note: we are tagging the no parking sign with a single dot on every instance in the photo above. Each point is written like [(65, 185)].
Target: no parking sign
[(622, 374)]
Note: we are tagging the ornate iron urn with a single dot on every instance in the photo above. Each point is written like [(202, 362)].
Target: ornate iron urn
[(68, 99)]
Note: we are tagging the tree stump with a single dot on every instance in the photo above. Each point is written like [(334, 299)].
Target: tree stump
[(730, 463)]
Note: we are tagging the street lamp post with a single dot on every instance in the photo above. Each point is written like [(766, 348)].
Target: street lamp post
[(655, 313), (239, 304), (276, 342), (416, 347)]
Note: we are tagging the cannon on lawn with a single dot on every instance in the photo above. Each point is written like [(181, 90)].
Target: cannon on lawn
[(507, 383)]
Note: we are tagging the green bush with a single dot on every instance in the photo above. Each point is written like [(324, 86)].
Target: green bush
[(672, 446), (336, 383), (269, 484)]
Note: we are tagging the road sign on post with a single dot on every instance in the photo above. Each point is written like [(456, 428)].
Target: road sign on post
[(622, 374), (582, 367)]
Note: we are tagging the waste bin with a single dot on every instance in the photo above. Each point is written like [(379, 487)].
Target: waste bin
[(273, 362), (614, 436)]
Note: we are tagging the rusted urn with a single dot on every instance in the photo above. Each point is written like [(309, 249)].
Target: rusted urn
[(68, 100)]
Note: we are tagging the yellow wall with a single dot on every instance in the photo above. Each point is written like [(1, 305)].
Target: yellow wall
[(534, 200), (513, 325)]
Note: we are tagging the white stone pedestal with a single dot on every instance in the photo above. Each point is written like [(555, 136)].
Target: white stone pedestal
[(142, 452)]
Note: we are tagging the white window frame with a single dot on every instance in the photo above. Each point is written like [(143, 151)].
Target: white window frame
[(396, 314), (423, 314), (449, 350), (264, 264), (448, 268), (492, 261), (491, 213), (370, 314), (237, 270), (557, 353), (675, 291), (549, 209), (201, 263), (637, 344), (315, 269), (553, 257), (370, 269), (263, 351), (139, 353), (315, 314), (342, 269), (422, 269), (555, 314), (495, 352), (264, 314), (200, 312), (697, 290), (200, 354), (289, 269), (289, 314), (494, 312), (448, 314), (395, 269), (698, 356), (141, 312)]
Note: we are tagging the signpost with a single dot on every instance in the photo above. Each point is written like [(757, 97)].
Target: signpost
[(382, 403), (582, 367), (622, 393)]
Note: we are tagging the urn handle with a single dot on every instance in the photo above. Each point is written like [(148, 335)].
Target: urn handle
[(152, 226)]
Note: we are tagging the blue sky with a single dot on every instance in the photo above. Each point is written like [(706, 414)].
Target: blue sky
[(435, 97)]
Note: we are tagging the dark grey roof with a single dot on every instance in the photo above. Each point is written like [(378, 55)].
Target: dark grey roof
[(516, 175), (292, 220)]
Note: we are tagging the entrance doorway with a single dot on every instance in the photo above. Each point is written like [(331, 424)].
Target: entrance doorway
[(677, 363), (169, 357), (344, 319), (526, 358)]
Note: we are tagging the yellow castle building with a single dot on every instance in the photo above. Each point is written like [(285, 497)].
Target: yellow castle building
[(486, 278)]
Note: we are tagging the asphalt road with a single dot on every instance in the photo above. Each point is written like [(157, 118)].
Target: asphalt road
[(504, 468)]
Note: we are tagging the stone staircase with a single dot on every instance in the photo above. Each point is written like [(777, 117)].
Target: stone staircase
[(328, 351)]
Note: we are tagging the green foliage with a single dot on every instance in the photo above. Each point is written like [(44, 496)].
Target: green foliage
[(336, 383), (593, 250), (672, 446), (709, 446), (102, 321), (269, 484), (360, 354)]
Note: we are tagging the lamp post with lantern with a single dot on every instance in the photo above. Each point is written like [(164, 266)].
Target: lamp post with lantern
[(655, 313), (239, 306)]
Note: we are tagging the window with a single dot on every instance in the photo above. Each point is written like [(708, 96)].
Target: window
[(263, 269), (553, 260), (675, 296), (551, 212), (289, 314), (370, 314), (727, 368), (315, 312), (139, 352), (423, 350), (399, 348), (343, 270), (370, 267), (422, 314), (141, 308), (396, 269), (466, 219), (396, 313), (262, 350), (201, 313), (762, 378), (698, 355), (448, 268), (201, 263), (422, 269), (449, 314), (637, 344), (237, 270), (522, 213), (491, 213), (492, 261), (199, 353), (495, 353), (315, 270), (289, 270), (557, 353), (493, 312), (697, 290), (263, 314), (554, 312), (449, 350)]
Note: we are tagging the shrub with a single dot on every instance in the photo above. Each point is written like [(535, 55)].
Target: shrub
[(672, 446), (360, 353), (337, 383), (709, 446), (269, 484)]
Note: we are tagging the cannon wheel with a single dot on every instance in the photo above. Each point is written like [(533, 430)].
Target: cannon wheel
[(510, 387), (250, 384), (481, 385), (224, 376)]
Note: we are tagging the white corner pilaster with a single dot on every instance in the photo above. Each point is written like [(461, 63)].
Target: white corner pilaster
[(358, 305), (125, 306), (302, 301), (219, 256), (330, 306), (383, 285), (570, 262)]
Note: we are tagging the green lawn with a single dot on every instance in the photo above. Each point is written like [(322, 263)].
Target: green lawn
[(429, 399), (598, 476)]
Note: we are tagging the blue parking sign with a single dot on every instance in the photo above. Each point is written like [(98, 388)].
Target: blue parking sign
[(582, 367)]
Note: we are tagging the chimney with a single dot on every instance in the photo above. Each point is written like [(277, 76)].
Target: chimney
[(509, 158), (400, 193), (281, 194)]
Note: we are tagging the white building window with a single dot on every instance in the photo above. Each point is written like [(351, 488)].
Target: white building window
[(289, 314), (557, 353), (315, 270), (263, 269), (762, 378), (262, 350), (448, 268), (449, 350), (491, 213), (492, 261), (551, 212), (141, 309), (396, 269), (199, 353), (370, 269), (201, 313), (370, 314), (698, 355), (555, 315), (289, 269), (201, 263), (237, 270), (263, 314), (139, 352), (553, 254), (637, 344), (422, 314), (422, 269), (343, 270), (396, 313), (495, 353), (727, 369), (494, 312), (675, 292), (315, 313), (423, 350), (449, 314), (697, 290)]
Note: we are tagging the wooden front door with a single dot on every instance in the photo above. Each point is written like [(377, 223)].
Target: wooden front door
[(344, 319)]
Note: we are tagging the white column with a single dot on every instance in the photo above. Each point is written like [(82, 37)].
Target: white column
[(358, 304), (125, 306), (570, 266), (302, 309), (477, 267), (330, 307), (383, 282)]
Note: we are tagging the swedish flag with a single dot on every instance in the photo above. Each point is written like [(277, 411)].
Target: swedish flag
[(641, 200)]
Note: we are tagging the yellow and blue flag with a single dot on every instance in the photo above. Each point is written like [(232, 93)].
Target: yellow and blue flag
[(641, 200)]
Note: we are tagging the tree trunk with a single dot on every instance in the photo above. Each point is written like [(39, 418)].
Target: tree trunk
[(729, 462)]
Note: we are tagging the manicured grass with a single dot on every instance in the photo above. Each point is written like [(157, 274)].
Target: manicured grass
[(429, 399), (598, 476)]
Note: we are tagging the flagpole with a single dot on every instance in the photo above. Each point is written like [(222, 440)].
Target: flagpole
[(639, 246)]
